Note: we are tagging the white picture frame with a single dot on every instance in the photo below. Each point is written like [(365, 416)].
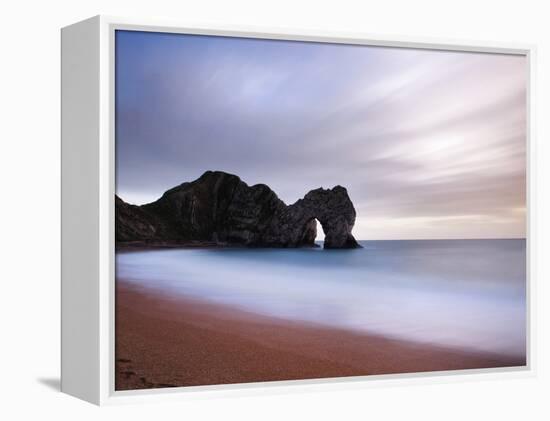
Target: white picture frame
[(88, 252)]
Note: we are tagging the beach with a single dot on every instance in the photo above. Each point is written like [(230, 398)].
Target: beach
[(169, 340)]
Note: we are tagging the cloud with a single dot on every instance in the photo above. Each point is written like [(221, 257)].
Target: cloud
[(428, 143)]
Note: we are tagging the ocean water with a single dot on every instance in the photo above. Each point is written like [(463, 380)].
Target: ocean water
[(469, 294)]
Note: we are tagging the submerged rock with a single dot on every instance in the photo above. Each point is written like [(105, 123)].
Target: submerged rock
[(220, 208)]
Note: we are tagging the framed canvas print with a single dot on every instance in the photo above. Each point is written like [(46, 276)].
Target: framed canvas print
[(245, 209)]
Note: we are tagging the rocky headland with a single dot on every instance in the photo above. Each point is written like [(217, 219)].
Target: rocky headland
[(219, 209)]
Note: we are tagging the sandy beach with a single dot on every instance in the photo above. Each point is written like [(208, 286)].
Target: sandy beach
[(168, 341)]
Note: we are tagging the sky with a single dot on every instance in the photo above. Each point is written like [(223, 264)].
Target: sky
[(429, 144)]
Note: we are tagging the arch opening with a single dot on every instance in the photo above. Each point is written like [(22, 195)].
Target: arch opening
[(313, 234), (320, 238)]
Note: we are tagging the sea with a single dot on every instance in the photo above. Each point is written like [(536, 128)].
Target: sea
[(467, 294)]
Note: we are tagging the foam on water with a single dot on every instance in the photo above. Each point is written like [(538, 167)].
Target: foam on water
[(461, 293)]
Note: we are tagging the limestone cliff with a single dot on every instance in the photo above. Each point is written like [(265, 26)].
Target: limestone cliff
[(221, 209)]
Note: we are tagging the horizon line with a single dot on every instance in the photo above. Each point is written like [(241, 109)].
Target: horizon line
[(437, 239)]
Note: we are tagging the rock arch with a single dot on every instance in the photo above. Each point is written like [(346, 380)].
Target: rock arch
[(334, 211), (221, 209)]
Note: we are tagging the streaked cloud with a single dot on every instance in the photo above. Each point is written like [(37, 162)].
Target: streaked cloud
[(430, 144)]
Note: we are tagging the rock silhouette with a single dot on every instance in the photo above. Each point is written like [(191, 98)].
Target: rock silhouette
[(220, 209)]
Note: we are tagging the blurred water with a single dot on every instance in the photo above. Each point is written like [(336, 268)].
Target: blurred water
[(463, 293)]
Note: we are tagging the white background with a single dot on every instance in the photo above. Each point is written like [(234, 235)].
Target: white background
[(29, 177)]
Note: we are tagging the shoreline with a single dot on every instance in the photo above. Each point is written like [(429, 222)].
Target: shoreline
[(162, 245), (172, 341)]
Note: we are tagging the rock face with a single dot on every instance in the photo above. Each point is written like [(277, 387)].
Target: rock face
[(221, 209), (296, 225)]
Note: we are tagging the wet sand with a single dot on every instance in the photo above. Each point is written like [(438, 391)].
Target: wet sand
[(169, 341)]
